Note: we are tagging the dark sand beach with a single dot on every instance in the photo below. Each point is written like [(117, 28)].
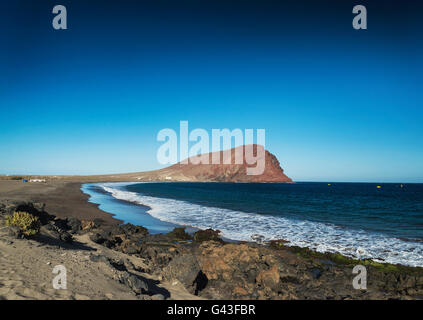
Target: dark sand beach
[(27, 263), (61, 198), (110, 260)]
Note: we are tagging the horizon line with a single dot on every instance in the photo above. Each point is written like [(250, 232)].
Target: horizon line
[(295, 181)]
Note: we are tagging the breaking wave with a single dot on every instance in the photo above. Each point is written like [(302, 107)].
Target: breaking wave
[(238, 225)]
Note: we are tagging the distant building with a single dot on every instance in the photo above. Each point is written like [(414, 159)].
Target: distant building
[(37, 180), (168, 178)]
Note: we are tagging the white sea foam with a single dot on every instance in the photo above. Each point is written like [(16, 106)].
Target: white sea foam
[(239, 225)]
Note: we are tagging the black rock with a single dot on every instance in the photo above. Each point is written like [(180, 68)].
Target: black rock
[(131, 249), (59, 224), (317, 273), (136, 284), (186, 269), (99, 258), (74, 224), (66, 237), (179, 234), (129, 230), (51, 231), (108, 244), (39, 206), (115, 264), (207, 235), (118, 265), (50, 227), (98, 238)]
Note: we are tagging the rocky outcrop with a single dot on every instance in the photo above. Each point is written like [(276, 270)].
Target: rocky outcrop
[(226, 171), (210, 268), (218, 270), (186, 269)]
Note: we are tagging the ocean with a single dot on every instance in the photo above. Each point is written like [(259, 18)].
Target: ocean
[(383, 222)]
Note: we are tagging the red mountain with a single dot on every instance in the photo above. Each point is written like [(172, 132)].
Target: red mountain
[(188, 171)]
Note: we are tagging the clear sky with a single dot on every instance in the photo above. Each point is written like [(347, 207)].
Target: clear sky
[(337, 104)]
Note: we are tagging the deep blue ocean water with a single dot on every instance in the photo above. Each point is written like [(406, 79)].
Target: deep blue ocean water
[(355, 219)]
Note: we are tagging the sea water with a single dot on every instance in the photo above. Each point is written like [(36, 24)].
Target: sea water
[(383, 222)]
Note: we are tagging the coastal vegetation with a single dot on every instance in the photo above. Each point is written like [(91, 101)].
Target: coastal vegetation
[(207, 235), (27, 223), (180, 234)]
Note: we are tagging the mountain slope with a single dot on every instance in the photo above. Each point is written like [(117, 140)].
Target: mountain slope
[(222, 172), (230, 172)]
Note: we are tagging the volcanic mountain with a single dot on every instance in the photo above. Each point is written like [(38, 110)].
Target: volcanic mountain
[(227, 171)]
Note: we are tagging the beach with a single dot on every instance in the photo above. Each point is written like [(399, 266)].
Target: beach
[(62, 198), (111, 260), (357, 220), (27, 264)]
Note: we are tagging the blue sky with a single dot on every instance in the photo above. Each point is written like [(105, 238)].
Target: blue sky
[(337, 104)]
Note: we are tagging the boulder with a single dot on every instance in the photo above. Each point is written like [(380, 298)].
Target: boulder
[(119, 265), (207, 235), (129, 247), (52, 232), (99, 238), (179, 234), (135, 283), (74, 224), (65, 237), (129, 230), (99, 258), (59, 224), (185, 269)]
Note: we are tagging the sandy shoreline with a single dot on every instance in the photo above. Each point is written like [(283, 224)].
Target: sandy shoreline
[(174, 263), (26, 264), (62, 198)]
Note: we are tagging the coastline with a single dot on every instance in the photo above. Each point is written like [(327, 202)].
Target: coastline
[(61, 198), (359, 244), (243, 270), (140, 215), (126, 211), (68, 199)]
